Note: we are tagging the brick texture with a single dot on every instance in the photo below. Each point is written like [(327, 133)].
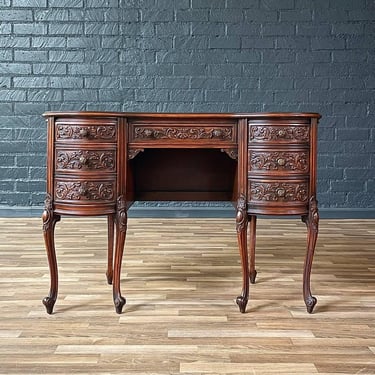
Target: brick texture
[(192, 56)]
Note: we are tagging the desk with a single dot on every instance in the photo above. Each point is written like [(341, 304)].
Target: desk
[(99, 163)]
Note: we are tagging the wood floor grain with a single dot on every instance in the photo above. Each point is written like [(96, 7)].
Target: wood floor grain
[(180, 278)]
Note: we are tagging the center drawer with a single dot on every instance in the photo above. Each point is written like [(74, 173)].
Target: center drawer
[(177, 133)]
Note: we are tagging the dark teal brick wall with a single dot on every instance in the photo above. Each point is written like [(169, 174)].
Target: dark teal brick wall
[(190, 56)]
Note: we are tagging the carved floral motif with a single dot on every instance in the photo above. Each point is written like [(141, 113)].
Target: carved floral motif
[(96, 160), (132, 153), (86, 190), (222, 133), (64, 131), (273, 133), (279, 161), (279, 192)]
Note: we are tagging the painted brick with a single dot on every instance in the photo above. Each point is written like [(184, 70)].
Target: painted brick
[(226, 15), (30, 3), (14, 42), (190, 55), (284, 28), (50, 69), (48, 42), (30, 28), (261, 15), (296, 15), (225, 42), (66, 56), (16, 15), (66, 28), (260, 42), (102, 3), (208, 3), (12, 95), (330, 43), (193, 15), (30, 55), (65, 3), (277, 4), (51, 15)]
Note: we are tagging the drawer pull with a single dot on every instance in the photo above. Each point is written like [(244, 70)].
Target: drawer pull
[(281, 162), (84, 161), (84, 133), (281, 192), (83, 192), (281, 133)]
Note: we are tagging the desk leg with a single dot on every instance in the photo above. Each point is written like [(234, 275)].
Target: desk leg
[(253, 272), (312, 221), (121, 226), (241, 227), (49, 222), (111, 232)]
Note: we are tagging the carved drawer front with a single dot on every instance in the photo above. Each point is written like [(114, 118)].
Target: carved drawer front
[(180, 132), (278, 192), (280, 134), (90, 131), (278, 162), (85, 191), (85, 160)]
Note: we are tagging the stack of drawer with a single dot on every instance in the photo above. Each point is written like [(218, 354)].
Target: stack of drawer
[(85, 164), (279, 165)]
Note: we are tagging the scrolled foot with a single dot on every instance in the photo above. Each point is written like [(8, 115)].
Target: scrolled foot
[(119, 304), (310, 303), (241, 302), (253, 276), (49, 302)]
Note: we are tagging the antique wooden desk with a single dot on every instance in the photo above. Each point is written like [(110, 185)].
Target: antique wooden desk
[(99, 163)]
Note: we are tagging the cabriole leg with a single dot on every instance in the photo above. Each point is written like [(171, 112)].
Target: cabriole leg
[(252, 235), (49, 222), (121, 226), (111, 232), (241, 227), (312, 222)]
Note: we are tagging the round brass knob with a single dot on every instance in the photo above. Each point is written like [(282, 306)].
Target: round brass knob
[(217, 133), (84, 132), (83, 160), (281, 133), (280, 192), (148, 133), (281, 162), (82, 191)]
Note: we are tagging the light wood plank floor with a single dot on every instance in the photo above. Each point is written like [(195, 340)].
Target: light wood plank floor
[(180, 278)]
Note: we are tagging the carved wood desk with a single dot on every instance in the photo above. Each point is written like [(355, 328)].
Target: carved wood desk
[(99, 163)]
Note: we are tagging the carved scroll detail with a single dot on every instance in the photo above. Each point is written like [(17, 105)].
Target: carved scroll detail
[(47, 215), (272, 133), (241, 218), (222, 133), (132, 153), (122, 216), (95, 160), (64, 131), (231, 152), (279, 192), (280, 161), (313, 217), (87, 190)]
